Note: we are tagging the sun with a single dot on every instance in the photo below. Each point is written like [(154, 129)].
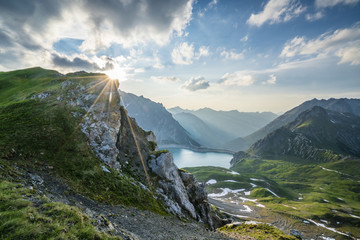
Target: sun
[(116, 73)]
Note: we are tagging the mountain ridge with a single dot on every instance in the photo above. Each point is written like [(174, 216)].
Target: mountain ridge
[(316, 134), (340, 105), (154, 117)]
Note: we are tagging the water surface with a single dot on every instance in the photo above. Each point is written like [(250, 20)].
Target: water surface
[(187, 158)]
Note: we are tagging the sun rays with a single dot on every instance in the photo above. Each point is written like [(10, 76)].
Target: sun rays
[(107, 90)]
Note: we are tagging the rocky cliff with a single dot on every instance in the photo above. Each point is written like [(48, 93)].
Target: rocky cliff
[(122, 145), (67, 136)]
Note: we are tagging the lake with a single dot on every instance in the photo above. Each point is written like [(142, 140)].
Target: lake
[(187, 158)]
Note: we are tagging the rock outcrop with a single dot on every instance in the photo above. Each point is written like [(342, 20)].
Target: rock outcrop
[(182, 188), (121, 144)]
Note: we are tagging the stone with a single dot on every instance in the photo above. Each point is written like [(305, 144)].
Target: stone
[(295, 233)]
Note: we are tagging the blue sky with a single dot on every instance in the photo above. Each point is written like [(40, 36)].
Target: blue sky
[(247, 55)]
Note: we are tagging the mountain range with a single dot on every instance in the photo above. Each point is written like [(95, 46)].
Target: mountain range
[(343, 105), (152, 116), (316, 134), (218, 128)]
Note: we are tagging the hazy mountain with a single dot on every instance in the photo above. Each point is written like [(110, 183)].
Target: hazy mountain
[(316, 134), (339, 105), (237, 144), (232, 124), (152, 116), (200, 131)]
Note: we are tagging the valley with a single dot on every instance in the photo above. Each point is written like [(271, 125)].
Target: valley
[(74, 145), (179, 120)]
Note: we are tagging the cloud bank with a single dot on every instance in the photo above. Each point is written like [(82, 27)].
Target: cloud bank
[(196, 83), (276, 11)]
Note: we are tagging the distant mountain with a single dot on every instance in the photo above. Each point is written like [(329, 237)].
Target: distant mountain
[(152, 116), (343, 105), (316, 134), (232, 124), (237, 144), (200, 131)]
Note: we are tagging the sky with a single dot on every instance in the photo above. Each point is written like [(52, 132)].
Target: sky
[(248, 55)]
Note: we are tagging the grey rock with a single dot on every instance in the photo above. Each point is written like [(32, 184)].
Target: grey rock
[(172, 183), (295, 233)]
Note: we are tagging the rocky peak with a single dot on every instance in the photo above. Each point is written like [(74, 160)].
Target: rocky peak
[(111, 134)]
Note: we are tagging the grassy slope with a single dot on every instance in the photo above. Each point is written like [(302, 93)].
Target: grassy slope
[(43, 135), (254, 231), (24, 219), (288, 179)]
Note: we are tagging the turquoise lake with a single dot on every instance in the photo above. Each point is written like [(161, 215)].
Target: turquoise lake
[(187, 158)]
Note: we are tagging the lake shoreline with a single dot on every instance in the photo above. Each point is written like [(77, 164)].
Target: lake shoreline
[(185, 157), (198, 149)]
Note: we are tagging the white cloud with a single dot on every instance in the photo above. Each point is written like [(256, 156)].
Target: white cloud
[(196, 83), (203, 51), (232, 55), (271, 80), (314, 17), (350, 54), (245, 38), (276, 11), (213, 3), (344, 43), (237, 79), (165, 79), (36, 26), (331, 3), (183, 54)]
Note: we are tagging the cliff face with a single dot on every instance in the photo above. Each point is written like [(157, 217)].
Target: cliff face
[(122, 145), (67, 137)]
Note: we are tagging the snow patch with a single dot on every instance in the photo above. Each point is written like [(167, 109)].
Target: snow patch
[(231, 181), (354, 216), (247, 193), (211, 181), (247, 209), (327, 201), (247, 199), (255, 179), (224, 192), (251, 222), (234, 173), (328, 228), (272, 193), (327, 238), (253, 185), (324, 221), (260, 205)]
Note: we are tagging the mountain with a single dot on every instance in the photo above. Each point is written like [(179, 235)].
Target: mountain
[(73, 164), (154, 117), (316, 134), (228, 124), (200, 131), (343, 105), (312, 164)]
